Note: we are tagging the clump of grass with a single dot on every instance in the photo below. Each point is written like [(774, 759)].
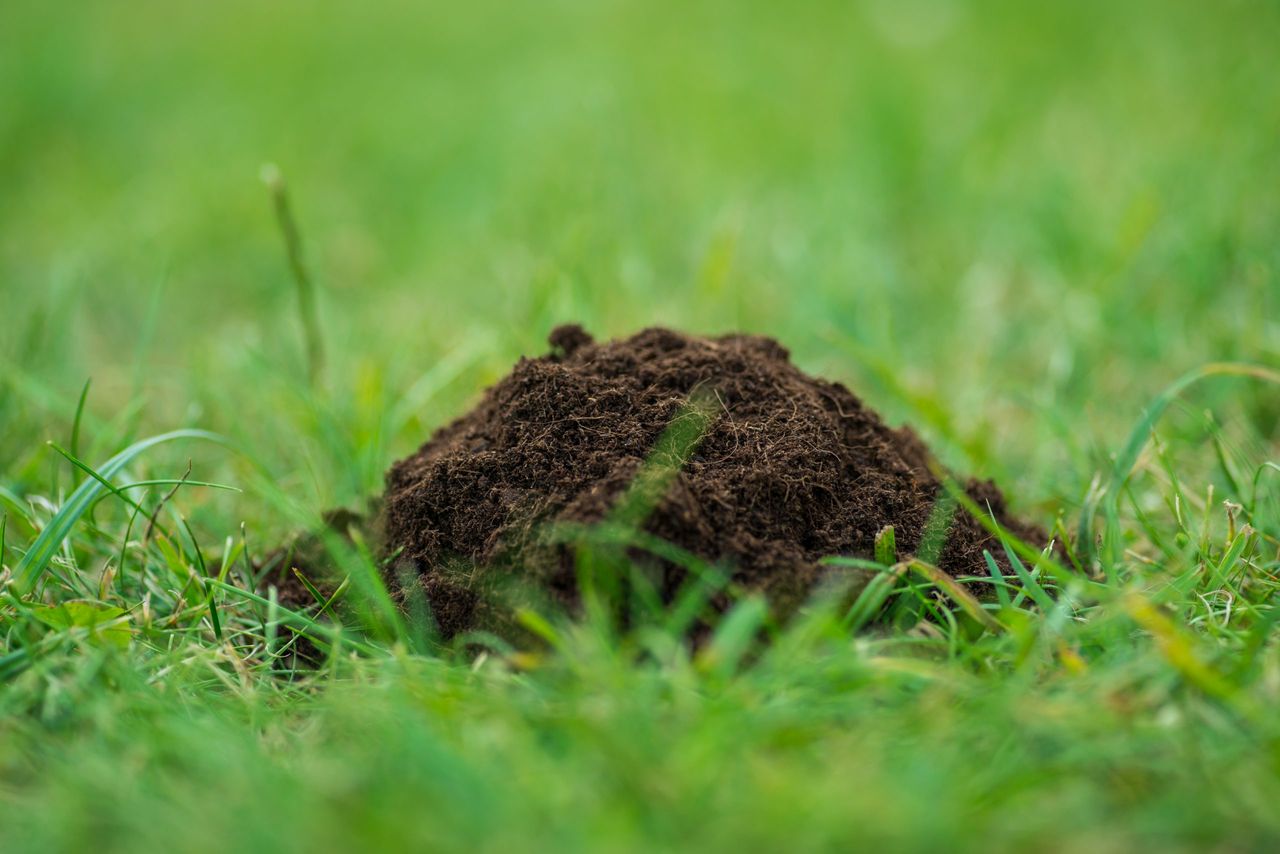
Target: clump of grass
[(1111, 689)]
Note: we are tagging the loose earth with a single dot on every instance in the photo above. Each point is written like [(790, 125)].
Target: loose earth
[(749, 464)]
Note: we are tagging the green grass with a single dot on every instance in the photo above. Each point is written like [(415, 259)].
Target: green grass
[(1025, 228)]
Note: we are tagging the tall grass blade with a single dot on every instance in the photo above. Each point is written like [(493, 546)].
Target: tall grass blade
[(75, 424), (274, 180), (47, 543)]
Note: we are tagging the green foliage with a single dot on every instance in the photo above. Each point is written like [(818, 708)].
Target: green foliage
[(40, 552), (106, 623)]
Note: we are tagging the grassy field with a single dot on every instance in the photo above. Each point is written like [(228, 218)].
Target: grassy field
[(1045, 234)]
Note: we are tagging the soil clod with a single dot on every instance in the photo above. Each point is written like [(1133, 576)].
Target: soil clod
[(788, 469)]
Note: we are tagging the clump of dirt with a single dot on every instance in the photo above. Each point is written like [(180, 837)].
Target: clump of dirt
[(788, 469), (308, 553)]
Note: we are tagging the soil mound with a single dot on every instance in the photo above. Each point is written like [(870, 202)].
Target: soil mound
[(788, 469)]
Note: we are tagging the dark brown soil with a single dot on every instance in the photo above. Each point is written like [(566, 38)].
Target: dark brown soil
[(307, 553), (789, 469)]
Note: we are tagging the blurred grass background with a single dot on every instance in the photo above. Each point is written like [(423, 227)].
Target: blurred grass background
[(1009, 223)]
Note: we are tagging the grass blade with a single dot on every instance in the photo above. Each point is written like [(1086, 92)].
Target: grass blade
[(1030, 585), (47, 543), (958, 594), (997, 579), (75, 424), (1127, 459), (306, 290), (872, 597)]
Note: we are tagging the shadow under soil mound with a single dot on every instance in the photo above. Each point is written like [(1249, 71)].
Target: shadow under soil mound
[(780, 470)]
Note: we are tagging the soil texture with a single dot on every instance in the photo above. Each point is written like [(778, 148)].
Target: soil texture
[(780, 470)]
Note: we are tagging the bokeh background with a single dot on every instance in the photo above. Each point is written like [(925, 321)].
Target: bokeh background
[(1010, 223)]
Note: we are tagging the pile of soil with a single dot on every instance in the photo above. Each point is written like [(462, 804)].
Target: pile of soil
[(789, 469)]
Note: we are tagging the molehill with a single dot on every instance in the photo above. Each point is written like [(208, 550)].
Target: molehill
[(785, 469)]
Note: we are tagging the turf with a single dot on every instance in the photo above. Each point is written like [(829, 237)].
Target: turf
[(1025, 228)]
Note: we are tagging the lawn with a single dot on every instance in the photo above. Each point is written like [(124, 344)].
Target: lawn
[(1043, 234)]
